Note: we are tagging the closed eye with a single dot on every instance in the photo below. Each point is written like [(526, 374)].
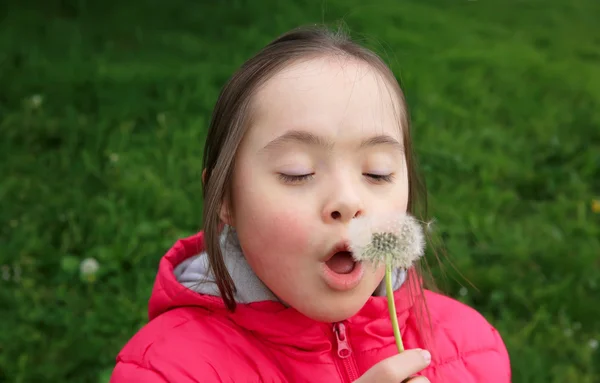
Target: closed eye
[(378, 178), (294, 179)]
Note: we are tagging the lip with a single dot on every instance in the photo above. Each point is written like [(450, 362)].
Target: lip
[(340, 246), (342, 282)]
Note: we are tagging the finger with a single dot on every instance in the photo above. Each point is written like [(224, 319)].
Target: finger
[(403, 365), (418, 379)]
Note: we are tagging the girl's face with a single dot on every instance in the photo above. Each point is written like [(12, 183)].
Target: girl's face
[(324, 147)]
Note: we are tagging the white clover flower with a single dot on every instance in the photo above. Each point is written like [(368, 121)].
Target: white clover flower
[(463, 291), (36, 101), (114, 157), (396, 240), (593, 343), (88, 268)]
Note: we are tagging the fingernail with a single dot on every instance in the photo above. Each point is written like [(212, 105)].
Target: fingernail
[(426, 355)]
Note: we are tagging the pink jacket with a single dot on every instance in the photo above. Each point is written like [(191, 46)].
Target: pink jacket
[(192, 338)]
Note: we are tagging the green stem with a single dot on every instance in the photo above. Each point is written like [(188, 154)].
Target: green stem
[(392, 307)]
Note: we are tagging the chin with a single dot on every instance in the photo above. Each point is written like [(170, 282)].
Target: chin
[(335, 309)]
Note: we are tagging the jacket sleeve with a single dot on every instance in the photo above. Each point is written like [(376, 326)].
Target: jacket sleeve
[(489, 364), (132, 373)]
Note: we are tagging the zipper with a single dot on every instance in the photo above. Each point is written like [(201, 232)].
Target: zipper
[(344, 352)]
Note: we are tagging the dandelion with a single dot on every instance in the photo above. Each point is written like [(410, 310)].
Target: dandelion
[(88, 269), (395, 240)]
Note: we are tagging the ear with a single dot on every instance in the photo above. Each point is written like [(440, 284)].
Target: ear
[(225, 213)]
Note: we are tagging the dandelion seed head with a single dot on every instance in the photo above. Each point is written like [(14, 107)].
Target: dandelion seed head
[(393, 239)]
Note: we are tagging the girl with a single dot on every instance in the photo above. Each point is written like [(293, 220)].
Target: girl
[(308, 135)]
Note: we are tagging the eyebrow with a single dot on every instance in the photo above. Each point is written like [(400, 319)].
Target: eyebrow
[(308, 138)]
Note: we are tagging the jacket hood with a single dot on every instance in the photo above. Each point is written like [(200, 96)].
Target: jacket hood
[(184, 279)]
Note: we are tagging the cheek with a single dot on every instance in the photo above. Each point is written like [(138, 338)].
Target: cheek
[(288, 232), (274, 246), (268, 223), (402, 204)]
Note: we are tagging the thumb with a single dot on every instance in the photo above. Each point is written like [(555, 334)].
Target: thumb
[(398, 367)]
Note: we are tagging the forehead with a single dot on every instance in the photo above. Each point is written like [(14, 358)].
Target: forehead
[(331, 96)]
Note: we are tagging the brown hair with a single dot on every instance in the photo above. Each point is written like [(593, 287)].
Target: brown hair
[(232, 116)]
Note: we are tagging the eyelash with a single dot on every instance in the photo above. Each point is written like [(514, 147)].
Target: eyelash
[(289, 179), (380, 177), (293, 179)]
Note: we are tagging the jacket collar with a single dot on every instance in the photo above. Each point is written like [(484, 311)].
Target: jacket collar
[(258, 310)]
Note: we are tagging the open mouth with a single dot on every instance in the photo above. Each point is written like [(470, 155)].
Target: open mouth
[(341, 262), (341, 272)]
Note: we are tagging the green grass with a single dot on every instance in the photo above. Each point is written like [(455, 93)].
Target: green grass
[(505, 100)]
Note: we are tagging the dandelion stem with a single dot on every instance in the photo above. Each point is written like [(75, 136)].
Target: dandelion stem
[(392, 307)]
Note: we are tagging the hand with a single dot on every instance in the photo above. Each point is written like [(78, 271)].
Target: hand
[(398, 368)]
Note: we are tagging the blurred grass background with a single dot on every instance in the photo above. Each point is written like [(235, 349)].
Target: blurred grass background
[(104, 106)]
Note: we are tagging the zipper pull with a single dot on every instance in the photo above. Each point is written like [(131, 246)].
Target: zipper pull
[(342, 342)]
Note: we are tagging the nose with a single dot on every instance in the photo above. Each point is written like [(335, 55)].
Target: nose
[(343, 205)]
